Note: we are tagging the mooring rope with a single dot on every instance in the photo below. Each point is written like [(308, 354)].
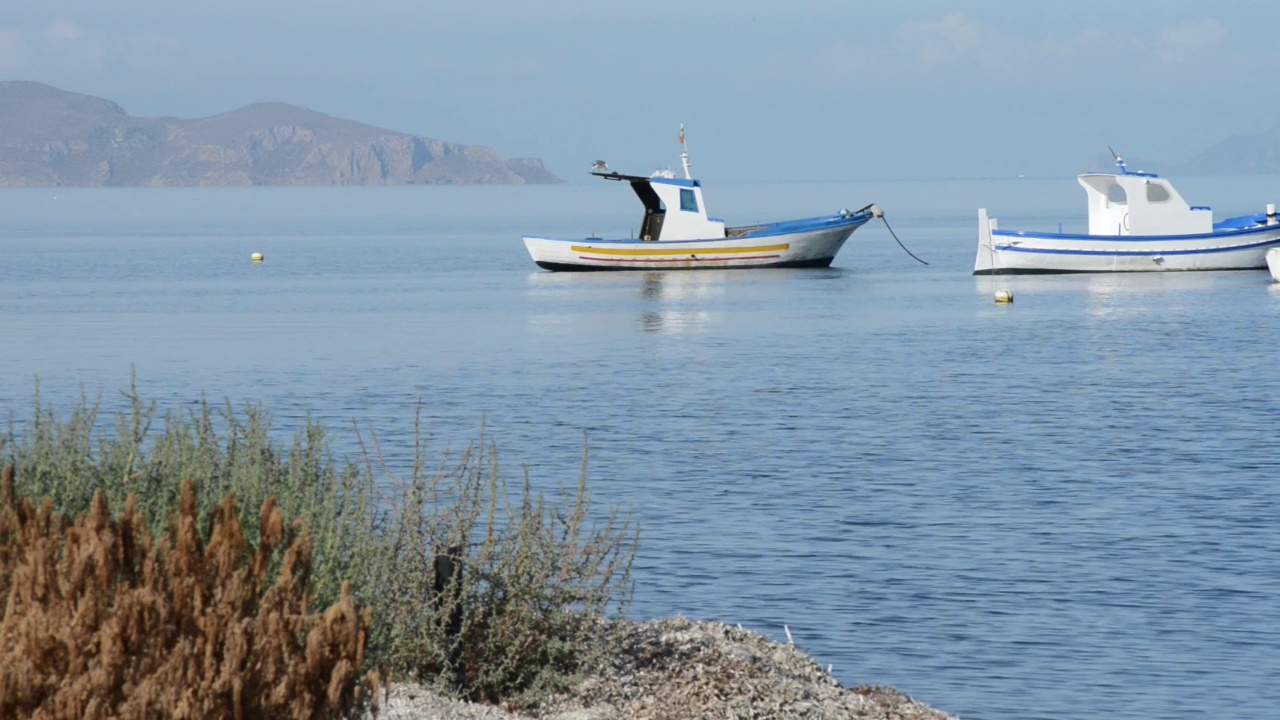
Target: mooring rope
[(877, 212)]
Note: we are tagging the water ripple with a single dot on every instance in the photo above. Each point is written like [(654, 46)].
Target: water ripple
[(1058, 509)]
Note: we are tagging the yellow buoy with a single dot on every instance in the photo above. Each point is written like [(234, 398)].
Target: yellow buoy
[(256, 257), (1004, 296)]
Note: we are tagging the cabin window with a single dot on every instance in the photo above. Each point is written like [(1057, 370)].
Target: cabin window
[(688, 202), (1157, 193), (1116, 195)]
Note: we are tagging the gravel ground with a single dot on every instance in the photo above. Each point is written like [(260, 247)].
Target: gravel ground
[(679, 668)]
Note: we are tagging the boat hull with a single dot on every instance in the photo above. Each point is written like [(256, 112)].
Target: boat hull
[(810, 243), (1012, 252), (1273, 263)]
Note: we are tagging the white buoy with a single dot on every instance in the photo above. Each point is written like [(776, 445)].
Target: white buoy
[(1004, 296), (256, 257), (1273, 263)]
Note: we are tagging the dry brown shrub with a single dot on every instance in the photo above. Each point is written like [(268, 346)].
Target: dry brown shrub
[(102, 621)]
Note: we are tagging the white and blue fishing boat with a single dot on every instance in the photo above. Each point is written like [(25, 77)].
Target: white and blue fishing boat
[(676, 233), (1137, 223)]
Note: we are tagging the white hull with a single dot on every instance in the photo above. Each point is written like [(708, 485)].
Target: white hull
[(1273, 263), (813, 244), (1002, 251)]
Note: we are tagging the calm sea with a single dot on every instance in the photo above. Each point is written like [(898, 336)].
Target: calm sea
[(1061, 508)]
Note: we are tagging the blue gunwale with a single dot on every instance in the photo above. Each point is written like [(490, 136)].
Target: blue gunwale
[(1136, 238)]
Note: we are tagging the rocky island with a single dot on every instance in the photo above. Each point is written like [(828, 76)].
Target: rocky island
[(52, 137)]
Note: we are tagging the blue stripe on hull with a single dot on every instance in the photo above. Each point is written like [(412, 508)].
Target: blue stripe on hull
[(1136, 253)]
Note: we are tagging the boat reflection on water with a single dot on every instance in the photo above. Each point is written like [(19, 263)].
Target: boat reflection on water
[(675, 302), (668, 302), (673, 293), (1114, 295)]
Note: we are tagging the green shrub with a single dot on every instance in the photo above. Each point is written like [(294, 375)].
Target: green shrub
[(505, 628), (532, 577)]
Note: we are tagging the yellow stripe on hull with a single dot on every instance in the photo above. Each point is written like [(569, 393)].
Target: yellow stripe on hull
[(654, 252)]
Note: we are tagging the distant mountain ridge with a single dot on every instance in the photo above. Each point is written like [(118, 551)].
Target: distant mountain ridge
[(53, 137), (1236, 155)]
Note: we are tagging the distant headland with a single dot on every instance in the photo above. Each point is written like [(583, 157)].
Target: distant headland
[(1237, 155), (52, 137)]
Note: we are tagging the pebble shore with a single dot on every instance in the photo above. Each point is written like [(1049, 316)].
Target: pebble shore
[(680, 668)]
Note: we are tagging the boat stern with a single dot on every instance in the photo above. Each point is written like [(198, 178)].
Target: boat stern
[(985, 262)]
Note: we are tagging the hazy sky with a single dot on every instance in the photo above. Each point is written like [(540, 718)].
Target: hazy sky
[(797, 90)]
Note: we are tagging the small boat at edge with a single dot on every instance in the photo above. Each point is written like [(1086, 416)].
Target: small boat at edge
[(1137, 223), (676, 233)]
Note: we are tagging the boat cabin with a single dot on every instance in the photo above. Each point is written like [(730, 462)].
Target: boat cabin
[(1138, 203), (673, 208)]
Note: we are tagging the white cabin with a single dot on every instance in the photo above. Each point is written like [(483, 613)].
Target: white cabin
[(1132, 203), (673, 208), (685, 212)]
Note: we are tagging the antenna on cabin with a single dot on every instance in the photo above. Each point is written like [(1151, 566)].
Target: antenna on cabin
[(684, 153), (1119, 161)]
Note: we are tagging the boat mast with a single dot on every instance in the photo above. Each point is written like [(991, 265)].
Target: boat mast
[(1119, 161), (684, 154)]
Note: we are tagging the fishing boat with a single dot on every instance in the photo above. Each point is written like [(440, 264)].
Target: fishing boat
[(677, 233), (1137, 223)]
